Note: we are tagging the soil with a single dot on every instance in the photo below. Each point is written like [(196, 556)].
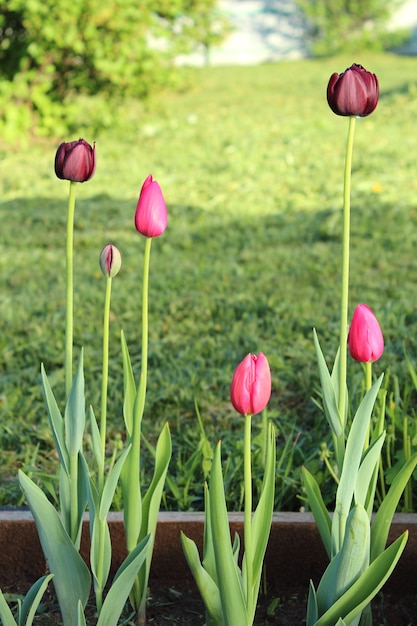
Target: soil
[(180, 604)]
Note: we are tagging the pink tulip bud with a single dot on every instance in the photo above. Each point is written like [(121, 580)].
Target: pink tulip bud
[(365, 340), (75, 161), (354, 92), (251, 385), (110, 260), (151, 213)]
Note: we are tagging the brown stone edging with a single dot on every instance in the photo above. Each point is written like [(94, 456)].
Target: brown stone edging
[(294, 555)]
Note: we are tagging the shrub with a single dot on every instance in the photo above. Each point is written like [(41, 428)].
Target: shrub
[(339, 26), (51, 52)]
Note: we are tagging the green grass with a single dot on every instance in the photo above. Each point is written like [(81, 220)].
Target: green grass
[(251, 164)]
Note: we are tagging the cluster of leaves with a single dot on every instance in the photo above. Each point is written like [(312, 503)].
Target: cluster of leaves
[(339, 26), (50, 52)]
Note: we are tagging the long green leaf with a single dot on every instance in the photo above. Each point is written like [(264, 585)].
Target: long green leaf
[(228, 574), (331, 409), (354, 447), (367, 470), (111, 484), (80, 615), (318, 508), (385, 513), (349, 563), (129, 386), (56, 422), (312, 610), (6, 615), (206, 585), (72, 579), (262, 518), (122, 585), (32, 599), (75, 412), (152, 500), (366, 587)]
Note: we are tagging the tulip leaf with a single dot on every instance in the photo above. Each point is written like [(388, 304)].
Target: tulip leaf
[(349, 563), (385, 513), (330, 407), (122, 584), (312, 610), (360, 594), (228, 573), (206, 585), (111, 484), (129, 387), (354, 447), (75, 412), (6, 615), (80, 615), (72, 579), (318, 508), (96, 440), (152, 501), (262, 518), (367, 470), (32, 599), (56, 422)]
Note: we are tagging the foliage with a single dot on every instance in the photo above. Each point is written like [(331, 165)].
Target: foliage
[(51, 51), (337, 26)]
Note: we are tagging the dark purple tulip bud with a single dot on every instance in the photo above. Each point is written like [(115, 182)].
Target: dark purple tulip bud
[(354, 92), (75, 161), (110, 260)]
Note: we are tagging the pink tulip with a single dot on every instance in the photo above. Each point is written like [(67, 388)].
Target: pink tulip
[(251, 385), (151, 213), (75, 161), (354, 92), (365, 340), (110, 260)]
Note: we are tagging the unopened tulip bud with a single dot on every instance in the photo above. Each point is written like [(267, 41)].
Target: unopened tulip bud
[(75, 161), (354, 92), (110, 260), (151, 216), (365, 340), (250, 390)]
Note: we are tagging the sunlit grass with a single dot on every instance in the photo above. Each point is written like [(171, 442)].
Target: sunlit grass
[(250, 161)]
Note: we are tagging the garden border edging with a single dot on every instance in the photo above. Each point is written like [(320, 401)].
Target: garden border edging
[(295, 553)]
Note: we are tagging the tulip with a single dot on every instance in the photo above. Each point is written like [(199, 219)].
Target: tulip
[(354, 92), (75, 161), (110, 260), (151, 213), (365, 340), (251, 385)]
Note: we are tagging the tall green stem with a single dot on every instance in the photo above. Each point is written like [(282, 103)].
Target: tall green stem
[(70, 289), (105, 371), (133, 504), (345, 284), (247, 515)]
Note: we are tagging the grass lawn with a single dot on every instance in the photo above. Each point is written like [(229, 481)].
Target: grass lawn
[(250, 160)]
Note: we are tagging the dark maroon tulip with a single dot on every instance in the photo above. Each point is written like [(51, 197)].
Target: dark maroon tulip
[(75, 161), (354, 92)]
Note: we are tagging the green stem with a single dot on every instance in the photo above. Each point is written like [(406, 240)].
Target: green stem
[(247, 515), (345, 286), (133, 504), (69, 330), (368, 375), (105, 372), (100, 561)]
